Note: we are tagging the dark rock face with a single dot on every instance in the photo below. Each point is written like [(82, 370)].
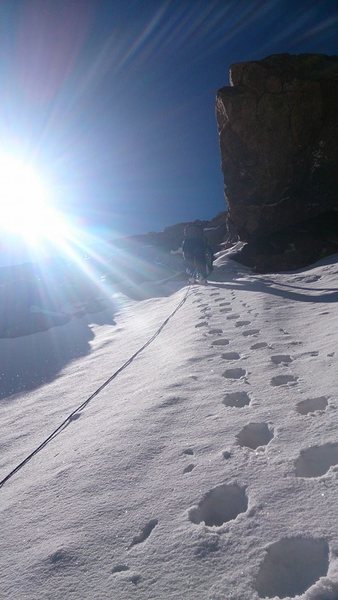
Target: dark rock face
[(278, 127), (292, 248)]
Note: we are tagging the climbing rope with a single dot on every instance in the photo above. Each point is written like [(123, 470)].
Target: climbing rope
[(81, 406)]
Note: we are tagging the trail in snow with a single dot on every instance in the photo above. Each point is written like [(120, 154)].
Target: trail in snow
[(207, 471)]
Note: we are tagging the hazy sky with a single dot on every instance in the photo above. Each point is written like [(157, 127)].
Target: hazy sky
[(115, 99)]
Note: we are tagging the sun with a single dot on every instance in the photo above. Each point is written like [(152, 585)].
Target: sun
[(25, 202)]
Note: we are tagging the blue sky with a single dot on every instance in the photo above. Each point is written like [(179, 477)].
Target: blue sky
[(114, 100)]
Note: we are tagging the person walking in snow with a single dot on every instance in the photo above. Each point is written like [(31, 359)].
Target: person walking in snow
[(232, 236), (210, 257), (195, 248)]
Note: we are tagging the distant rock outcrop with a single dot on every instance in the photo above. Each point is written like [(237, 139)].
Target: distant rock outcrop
[(278, 127), (171, 237)]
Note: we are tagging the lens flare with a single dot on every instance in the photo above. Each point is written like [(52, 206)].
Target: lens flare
[(25, 202)]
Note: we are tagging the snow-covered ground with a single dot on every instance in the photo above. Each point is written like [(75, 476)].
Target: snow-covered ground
[(206, 470)]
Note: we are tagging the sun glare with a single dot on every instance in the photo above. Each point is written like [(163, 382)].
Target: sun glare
[(25, 203)]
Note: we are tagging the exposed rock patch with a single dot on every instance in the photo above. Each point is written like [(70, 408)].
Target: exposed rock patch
[(278, 126)]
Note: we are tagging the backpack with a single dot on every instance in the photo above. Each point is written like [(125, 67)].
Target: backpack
[(193, 230)]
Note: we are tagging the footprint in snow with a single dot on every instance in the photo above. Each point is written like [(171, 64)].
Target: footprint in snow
[(231, 317), (258, 345), (284, 380), (189, 468), (284, 571), (237, 399), (235, 373), (215, 331), (281, 359), (202, 324), (312, 405), (220, 505), (255, 435), (188, 451), (231, 356), (250, 332), (317, 460), (144, 533), (214, 294), (119, 569), (63, 558), (225, 310), (225, 304), (220, 342), (242, 323)]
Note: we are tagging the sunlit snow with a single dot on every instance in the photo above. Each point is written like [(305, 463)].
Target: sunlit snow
[(206, 470)]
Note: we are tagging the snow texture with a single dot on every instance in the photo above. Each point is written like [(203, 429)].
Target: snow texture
[(207, 470)]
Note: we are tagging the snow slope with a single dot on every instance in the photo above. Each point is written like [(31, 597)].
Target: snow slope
[(206, 470)]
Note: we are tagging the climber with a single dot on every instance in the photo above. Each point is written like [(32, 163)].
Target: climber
[(195, 249)]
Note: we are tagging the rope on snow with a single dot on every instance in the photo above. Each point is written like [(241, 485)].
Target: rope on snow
[(92, 396)]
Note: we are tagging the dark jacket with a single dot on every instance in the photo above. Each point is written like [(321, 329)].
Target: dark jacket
[(194, 247)]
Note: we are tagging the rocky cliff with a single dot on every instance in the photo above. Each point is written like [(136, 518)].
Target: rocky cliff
[(278, 128)]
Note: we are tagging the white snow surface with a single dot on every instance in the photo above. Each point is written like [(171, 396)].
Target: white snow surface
[(206, 470)]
